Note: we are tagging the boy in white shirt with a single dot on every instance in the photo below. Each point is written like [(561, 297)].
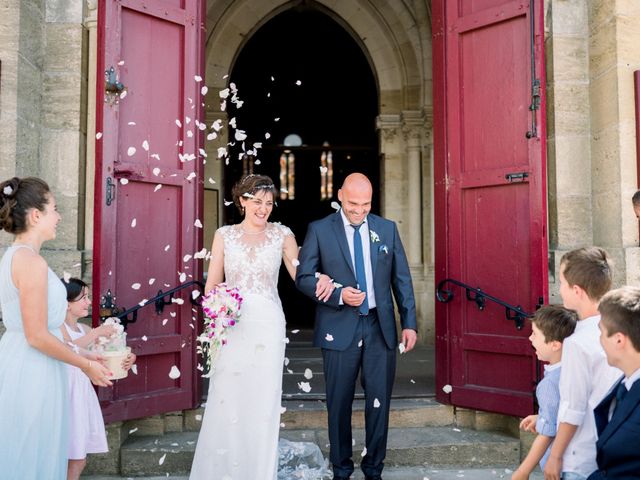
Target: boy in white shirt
[(585, 276)]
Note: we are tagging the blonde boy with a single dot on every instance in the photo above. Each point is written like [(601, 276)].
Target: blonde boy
[(585, 276), (550, 326)]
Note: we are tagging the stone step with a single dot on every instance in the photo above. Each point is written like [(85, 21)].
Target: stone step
[(391, 473), (405, 413), (432, 447)]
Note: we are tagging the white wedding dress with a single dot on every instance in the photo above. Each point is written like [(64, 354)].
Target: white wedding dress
[(239, 435)]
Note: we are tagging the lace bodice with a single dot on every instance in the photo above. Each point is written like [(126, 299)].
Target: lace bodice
[(252, 261)]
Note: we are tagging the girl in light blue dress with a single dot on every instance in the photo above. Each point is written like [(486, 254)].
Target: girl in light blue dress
[(33, 382)]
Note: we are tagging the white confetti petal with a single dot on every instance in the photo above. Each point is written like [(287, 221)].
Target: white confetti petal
[(277, 119), (158, 187), (98, 135), (335, 205), (191, 176), (212, 181), (212, 136), (401, 347), (198, 78), (364, 452), (167, 247), (121, 62), (174, 373), (66, 276), (183, 277), (178, 122), (134, 222), (164, 321), (204, 90), (134, 369), (161, 461), (298, 82), (447, 389), (267, 135), (186, 258), (304, 386), (360, 343), (156, 171), (329, 337), (145, 145), (131, 124), (286, 361), (152, 281), (195, 294), (222, 151), (308, 374), (189, 134), (136, 286), (376, 403), (131, 151), (123, 94), (295, 331), (295, 262), (224, 93), (156, 156), (240, 135), (144, 338), (198, 223)]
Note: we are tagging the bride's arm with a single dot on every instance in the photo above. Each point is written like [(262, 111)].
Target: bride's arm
[(215, 273), (324, 285)]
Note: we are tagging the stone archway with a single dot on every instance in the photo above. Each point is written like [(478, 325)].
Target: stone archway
[(396, 39)]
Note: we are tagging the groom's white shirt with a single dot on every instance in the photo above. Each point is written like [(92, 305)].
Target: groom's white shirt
[(366, 251)]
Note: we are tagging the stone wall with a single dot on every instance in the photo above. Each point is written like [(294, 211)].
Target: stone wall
[(591, 56)]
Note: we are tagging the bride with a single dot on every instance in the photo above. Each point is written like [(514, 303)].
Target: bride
[(239, 435)]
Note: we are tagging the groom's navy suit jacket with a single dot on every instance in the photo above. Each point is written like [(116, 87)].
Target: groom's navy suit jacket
[(618, 452), (326, 250)]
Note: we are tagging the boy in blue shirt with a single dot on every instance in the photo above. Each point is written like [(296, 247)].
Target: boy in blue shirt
[(550, 326)]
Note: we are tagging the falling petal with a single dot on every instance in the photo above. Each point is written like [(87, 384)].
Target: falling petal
[(134, 222), (131, 124), (145, 145), (222, 151), (156, 171), (212, 136), (178, 123), (161, 461), (277, 119), (164, 321), (131, 151), (98, 135), (174, 373), (329, 337), (360, 343), (123, 94), (158, 187), (298, 82), (198, 223), (308, 374), (401, 347), (240, 135), (189, 133), (121, 62), (186, 258), (187, 120), (447, 389), (267, 135), (156, 156), (227, 203), (191, 176), (152, 281), (133, 430), (376, 403), (204, 90), (183, 277), (295, 331), (198, 78), (144, 338), (224, 93), (304, 386), (286, 361), (212, 181), (66, 276), (295, 262), (217, 125), (124, 181), (272, 79), (136, 286), (195, 294), (202, 152), (364, 452), (335, 205), (167, 247)]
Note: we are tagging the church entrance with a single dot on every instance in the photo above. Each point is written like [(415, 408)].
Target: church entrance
[(310, 97)]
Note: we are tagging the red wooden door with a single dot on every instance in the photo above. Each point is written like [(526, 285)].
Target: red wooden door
[(490, 224), (148, 194)]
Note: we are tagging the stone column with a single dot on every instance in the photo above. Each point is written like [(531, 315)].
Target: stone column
[(412, 129), (392, 179)]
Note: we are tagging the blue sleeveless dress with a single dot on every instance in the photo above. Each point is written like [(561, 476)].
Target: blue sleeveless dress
[(33, 389)]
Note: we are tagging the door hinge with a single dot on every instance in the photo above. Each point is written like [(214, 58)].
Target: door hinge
[(110, 191), (535, 95)]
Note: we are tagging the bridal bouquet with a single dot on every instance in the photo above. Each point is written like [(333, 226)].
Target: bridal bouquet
[(221, 307)]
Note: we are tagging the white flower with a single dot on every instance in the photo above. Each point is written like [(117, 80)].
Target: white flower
[(374, 236)]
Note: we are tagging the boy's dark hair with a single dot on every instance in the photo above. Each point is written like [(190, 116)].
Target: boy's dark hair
[(74, 288), (590, 269), (555, 322), (636, 199), (620, 310)]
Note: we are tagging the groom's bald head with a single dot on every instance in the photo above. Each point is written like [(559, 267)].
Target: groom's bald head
[(355, 197)]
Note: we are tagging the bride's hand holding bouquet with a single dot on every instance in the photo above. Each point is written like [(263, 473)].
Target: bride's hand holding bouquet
[(221, 307)]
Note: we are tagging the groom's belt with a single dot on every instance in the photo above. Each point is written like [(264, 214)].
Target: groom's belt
[(372, 311)]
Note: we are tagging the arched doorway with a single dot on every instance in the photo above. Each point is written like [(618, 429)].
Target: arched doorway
[(303, 74)]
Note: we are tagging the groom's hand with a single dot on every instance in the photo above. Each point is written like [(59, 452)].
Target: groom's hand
[(353, 296), (409, 338)]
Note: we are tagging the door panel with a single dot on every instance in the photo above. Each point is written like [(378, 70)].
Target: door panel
[(144, 224), (490, 230)]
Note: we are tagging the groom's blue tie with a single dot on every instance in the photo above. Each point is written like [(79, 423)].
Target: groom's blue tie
[(361, 277)]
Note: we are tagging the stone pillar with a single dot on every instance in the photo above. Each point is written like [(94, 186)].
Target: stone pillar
[(614, 29), (392, 179), (568, 130), (412, 129)]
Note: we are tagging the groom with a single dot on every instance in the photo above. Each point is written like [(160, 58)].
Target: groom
[(356, 326)]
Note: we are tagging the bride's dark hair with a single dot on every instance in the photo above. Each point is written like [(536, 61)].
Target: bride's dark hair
[(249, 185), (17, 196)]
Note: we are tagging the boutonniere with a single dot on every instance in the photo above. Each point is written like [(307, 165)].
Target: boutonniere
[(374, 236), (384, 248)]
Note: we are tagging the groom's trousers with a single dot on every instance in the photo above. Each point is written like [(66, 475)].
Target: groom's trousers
[(369, 355)]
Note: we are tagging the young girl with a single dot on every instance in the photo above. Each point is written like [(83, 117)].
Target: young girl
[(86, 426)]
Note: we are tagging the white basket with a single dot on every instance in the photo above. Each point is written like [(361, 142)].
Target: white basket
[(114, 361)]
